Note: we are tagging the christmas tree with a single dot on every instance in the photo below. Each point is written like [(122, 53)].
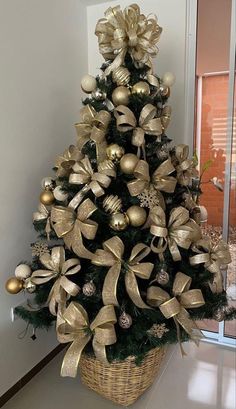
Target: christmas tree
[(121, 266)]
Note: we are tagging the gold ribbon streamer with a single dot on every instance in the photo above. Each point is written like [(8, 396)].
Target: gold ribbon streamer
[(43, 214), (72, 226), (128, 31), (57, 268), (147, 123), (213, 257), (65, 161), (93, 126), (111, 256), (84, 175), (77, 330), (185, 167), (161, 179), (175, 307), (181, 231)]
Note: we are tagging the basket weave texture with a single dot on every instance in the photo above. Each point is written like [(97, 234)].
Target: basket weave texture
[(121, 382)]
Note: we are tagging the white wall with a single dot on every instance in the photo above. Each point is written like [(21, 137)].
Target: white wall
[(171, 57), (43, 54)]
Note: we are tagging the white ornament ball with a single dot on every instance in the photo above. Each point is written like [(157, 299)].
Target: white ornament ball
[(168, 79), (59, 194), (88, 83), (203, 214), (23, 271)]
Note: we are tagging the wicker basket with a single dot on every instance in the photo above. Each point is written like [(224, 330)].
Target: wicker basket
[(121, 382)]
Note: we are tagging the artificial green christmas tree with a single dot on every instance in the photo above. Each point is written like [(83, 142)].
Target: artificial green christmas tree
[(131, 272)]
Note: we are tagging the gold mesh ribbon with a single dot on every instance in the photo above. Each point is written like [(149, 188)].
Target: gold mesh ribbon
[(93, 126), (65, 161), (175, 307), (72, 226), (161, 179), (77, 330), (181, 231), (83, 174), (43, 214), (147, 123), (111, 256), (185, 167), (213, 257), (58, 269), (127, 31)]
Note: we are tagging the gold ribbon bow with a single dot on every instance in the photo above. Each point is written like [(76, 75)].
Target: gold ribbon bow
[(147, 123), (128, 31), (65, 161), (93, 126), (111, 256), (160, 179), (84, 175), (180, 232), (43, 214), (185, 167), (57, 268), (213, 257), (175, 307), (72, 226), (76, 329)]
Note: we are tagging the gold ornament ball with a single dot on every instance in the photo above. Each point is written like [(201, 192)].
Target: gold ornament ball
[(120, 96), (137, 215), (141, 87), (115, 152), (14, 285), (46, 198), (121, 76), (128, 163), (165, 91), (119, 221), (88, 83)]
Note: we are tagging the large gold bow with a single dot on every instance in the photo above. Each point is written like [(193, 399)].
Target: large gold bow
[(128, 31), (59, 269), (65, 161), (43, 214), (111, 256), (185, 167), (160, 179), (175, 307), (180, 232), (76, 329), (84, 175), (93, 126), (147, 123), (213, 257), (73, 225)]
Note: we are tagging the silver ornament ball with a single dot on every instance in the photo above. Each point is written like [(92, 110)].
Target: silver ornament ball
[(99, 95), (29, 286), (47, 183)]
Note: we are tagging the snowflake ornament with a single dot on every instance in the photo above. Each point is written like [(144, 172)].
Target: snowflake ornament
[(149, 198), (158, 330), (39, 249)]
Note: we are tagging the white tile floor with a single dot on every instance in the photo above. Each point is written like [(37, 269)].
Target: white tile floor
[(204, 379)]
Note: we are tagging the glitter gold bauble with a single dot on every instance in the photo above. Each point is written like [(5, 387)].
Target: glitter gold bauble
[(47, 198), (120, 96), (119, 221), (125, 320), (88, 83), (29, 286), (137, 215), (115, 152), (162, 277), (89, 289), (23, 271), (141, 87), (14, 285), (121, 76), (128, 163), (112, 204)]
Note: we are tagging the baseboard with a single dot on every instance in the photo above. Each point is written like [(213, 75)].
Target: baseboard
[(27, 377)]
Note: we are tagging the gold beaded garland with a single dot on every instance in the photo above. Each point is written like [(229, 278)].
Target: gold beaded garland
[(137, 215), (141, 87), (128, 163), (120, 96)]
